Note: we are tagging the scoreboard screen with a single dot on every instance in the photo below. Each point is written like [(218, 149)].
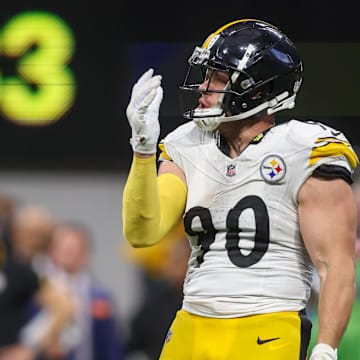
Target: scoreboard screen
[(67, 68)]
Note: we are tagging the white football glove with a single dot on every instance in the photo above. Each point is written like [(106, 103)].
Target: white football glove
[(323, 352), (143, 112)]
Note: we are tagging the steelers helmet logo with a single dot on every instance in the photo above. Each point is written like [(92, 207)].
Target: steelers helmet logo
[(273, 168)]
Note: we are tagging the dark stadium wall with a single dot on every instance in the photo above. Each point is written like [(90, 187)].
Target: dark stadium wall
[(69, 115)]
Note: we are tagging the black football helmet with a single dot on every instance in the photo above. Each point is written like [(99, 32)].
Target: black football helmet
[(264, 69)]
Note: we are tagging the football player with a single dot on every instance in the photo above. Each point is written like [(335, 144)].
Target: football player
[(262, 203)]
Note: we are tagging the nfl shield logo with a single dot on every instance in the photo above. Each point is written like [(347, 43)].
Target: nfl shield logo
[(231, 170)]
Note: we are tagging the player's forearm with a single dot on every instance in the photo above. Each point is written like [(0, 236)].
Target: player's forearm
[(141, 208), (152, 205), (337, 291)]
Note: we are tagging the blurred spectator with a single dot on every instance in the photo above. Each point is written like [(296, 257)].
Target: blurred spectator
[(7, 205), (163, 295), (95, 334), (152, 261), (30, 232), (19, 285)]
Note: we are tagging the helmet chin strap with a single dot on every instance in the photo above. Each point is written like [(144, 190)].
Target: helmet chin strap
[(211, 118)]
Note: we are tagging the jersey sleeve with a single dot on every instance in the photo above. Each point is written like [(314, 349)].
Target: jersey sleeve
[(334, 149), (329, 151), (316, 149)]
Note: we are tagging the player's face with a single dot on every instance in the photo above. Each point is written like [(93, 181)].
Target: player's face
[(214, 81)]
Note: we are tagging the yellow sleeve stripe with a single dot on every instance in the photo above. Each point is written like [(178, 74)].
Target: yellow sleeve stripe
[(163, 152), (333, 147)]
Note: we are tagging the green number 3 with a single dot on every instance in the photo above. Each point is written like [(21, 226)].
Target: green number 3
[(42, 87)]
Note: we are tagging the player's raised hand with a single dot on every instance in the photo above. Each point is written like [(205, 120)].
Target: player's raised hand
[(143, 112), (323, 352)]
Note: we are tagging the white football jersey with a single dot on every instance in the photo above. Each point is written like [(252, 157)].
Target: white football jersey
[(241, 216)]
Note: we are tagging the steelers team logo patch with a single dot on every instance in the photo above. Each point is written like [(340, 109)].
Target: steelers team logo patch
[(273, 168)]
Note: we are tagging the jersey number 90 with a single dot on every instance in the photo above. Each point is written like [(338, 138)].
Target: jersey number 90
[(233, 232)]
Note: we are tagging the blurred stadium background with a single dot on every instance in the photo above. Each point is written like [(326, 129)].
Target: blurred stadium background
[(66, 71)]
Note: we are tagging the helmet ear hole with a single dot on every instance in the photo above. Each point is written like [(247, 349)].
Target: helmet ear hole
[(261, 92), (234, 104)]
